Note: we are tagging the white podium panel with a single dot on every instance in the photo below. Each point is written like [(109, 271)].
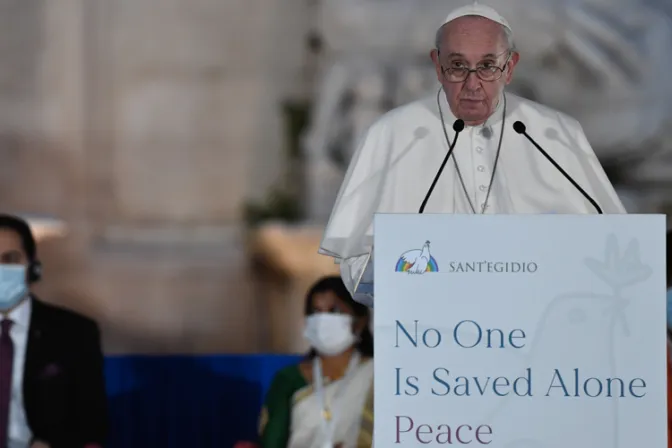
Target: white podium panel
[(520, 331)]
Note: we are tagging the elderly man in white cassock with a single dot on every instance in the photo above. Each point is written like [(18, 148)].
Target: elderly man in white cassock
[(493, 169)]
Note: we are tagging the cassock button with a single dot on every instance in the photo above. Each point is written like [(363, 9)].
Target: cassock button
[(482, 187), (481, 168), (479, 150)]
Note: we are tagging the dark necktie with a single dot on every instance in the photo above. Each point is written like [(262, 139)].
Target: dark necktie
[(6, 361)]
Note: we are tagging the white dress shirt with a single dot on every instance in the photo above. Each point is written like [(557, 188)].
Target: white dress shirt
[(19, 432)]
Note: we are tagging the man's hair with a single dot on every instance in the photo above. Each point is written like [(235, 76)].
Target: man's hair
[(508, 37), (21, 228)]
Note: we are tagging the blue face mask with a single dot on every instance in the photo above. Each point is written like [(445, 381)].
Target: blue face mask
[(669, 308), (13, 285)]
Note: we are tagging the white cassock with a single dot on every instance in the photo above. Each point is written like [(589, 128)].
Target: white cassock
[(397, 159)]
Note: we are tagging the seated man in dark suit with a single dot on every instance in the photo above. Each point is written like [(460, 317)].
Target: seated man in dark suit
[(52, 389)]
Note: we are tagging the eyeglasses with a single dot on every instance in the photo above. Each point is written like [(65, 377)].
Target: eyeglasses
[(485, 72)]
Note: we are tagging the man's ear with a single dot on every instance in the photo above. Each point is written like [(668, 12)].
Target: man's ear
[(434, 55), (511, 66)]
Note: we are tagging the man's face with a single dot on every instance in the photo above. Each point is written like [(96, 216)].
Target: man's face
[(11, 249), (473, 42)]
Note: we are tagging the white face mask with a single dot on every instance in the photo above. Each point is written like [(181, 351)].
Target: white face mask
[(328, 333), (13, 285)]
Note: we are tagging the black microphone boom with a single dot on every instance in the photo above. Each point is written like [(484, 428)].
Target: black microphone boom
[(458, 127), (520, 128)]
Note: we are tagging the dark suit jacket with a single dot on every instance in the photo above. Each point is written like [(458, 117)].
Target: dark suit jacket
[(63, 382)]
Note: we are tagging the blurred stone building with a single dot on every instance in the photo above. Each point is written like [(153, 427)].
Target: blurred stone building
[(147, 126)]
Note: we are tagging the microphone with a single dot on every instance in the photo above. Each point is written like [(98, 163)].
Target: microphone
[(520, 128), (458, 127)]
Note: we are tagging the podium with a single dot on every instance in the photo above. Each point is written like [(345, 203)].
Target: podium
[(520, 331)]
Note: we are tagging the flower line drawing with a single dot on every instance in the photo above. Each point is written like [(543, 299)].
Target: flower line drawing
[(618, 271)]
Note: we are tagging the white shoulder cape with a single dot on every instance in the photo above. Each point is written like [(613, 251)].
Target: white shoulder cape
[(397, 159)]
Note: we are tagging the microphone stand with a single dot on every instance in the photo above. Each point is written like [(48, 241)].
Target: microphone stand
[(458, 127), (520, 128)]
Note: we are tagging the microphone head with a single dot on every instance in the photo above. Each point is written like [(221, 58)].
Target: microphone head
[(458, 126), (519, 127)]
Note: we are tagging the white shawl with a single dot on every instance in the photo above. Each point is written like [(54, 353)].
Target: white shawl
[(400, 154)]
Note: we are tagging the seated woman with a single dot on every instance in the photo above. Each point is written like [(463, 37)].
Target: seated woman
[(327, 399)]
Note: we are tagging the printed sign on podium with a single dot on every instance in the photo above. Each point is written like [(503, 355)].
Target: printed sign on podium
[(520, 331)]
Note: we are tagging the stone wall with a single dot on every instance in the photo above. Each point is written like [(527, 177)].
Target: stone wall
[(146, 127)]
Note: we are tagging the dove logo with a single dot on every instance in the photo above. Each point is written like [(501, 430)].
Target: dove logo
[(417, 261)]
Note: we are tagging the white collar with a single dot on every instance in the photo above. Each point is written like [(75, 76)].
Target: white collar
[(497, 115), (20, 316)]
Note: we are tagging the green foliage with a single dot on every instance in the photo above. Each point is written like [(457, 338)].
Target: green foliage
[(279, 205), (284, 201), (297, 116)]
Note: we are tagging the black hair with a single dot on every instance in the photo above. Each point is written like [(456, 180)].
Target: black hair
[(335, 284), (21, 228)]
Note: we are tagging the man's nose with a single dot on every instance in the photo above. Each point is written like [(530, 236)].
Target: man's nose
[(473, 82)]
